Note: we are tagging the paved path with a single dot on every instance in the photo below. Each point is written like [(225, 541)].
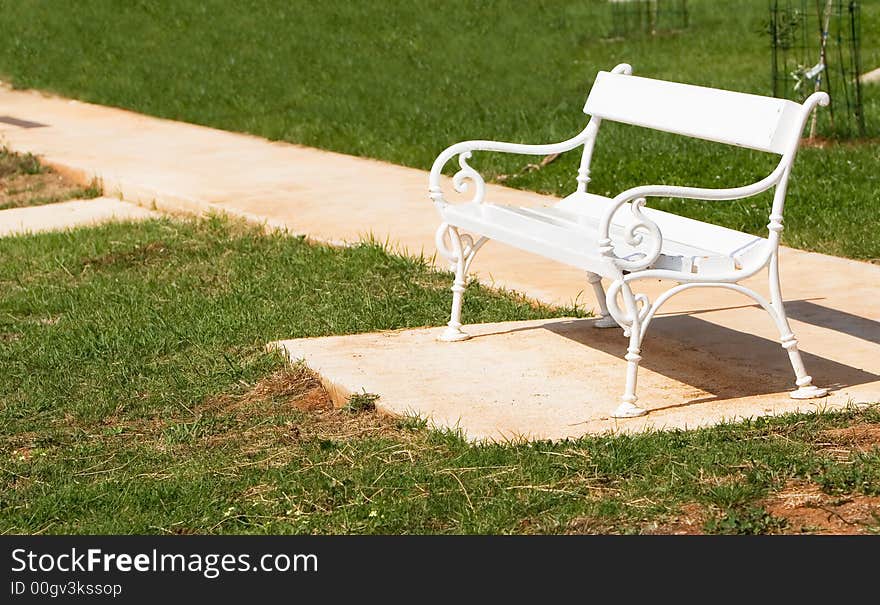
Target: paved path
[(871, 77), (66, 215), (335, 197)]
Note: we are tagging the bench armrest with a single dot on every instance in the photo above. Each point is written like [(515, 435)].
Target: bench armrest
[(643, 232), (466, 173), (636, 232), (466, 148)]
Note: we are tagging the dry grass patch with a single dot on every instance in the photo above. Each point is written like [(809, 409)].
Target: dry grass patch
[(855, 438), (806, 509), (26, 182), (294, 387), (269, 422), (690, 520), (298, 392)]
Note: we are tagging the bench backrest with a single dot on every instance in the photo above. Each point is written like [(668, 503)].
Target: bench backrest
[(736, 118)]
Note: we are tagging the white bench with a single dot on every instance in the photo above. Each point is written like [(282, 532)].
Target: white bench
[(621, 240)]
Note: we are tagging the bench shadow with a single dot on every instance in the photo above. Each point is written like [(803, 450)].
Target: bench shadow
[(807, 311), (833, 319), (727, 363)]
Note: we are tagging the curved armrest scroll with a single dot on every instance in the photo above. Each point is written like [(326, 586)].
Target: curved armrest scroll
[(644, 231), (467, 173)]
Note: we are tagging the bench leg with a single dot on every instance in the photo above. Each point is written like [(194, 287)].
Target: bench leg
[(453, 332), (628, 407), (604, 320), (804, 382), (462, 252)]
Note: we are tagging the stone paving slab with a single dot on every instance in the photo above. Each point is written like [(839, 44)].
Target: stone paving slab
[(333, 197), (552, 379), (66, 215)]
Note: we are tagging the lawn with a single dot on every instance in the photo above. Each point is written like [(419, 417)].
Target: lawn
[(400, 81), (137, 396)]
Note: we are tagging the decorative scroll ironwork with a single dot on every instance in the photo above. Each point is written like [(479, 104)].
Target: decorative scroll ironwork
[(461, 178), (456, 246)]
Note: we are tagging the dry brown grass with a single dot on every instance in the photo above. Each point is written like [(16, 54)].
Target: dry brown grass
[(24, 182), (808, 510), (689, 521), (855, 438)]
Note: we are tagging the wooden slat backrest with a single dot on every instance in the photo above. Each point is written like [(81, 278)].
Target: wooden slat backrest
[(736, 118)]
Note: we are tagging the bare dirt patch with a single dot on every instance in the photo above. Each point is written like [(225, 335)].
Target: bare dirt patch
[(858, 438), (25, 182), (298, 392), (808, 510)]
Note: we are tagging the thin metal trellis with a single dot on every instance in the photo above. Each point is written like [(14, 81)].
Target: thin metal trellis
[(816, 45), (635, 17)]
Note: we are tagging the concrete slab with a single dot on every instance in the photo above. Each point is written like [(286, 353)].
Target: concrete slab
[(179, 167), (554, 379), (65, 215), (871, 77)]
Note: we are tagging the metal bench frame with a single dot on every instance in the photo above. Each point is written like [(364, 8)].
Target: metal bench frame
[(763, 123)]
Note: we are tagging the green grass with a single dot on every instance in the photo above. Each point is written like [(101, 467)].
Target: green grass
[(400, 81), (137, 396)]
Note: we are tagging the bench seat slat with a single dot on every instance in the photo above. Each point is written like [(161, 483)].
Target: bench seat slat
[(696, 235), (568, 232)]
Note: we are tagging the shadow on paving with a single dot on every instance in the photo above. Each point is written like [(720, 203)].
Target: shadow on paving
[(832, 319), (725, 362)]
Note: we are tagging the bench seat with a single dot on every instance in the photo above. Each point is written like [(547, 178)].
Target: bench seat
[(568, 232)]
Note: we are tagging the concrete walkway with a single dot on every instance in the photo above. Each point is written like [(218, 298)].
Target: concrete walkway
[(334, 197), (70, 214), (871, 77)]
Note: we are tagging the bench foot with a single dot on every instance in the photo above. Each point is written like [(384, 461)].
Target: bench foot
[(808, 392), (605, 322), (451, 334), (628, 410)]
